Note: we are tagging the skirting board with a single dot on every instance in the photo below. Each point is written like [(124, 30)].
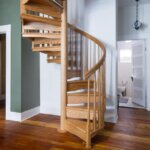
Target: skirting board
[(111, 114), (49, 110), (111, 118), (30, 113), (148, 109), (19, 117)]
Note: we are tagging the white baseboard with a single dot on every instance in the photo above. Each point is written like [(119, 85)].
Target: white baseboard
[(13, 116), (30, 113), (111, 114), (49, 111), (19, 117), (148, 109), (111, 118)]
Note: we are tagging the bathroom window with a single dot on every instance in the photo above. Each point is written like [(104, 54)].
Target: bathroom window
[(125, 56)]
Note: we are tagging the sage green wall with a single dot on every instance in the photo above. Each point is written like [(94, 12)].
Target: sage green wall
[(10, 14), (25, 86), (30, 77)]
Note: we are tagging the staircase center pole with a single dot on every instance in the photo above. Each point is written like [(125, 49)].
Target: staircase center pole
[(64, 65)]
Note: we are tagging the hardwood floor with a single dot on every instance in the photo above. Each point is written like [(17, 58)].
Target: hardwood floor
[(2, 110), (132, 132)]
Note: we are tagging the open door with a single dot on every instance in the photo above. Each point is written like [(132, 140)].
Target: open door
[(138, 77)]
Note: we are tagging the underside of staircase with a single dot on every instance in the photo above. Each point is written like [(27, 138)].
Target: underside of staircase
[(82, 59)]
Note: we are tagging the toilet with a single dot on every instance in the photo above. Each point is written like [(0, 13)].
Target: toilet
[(121, 90)]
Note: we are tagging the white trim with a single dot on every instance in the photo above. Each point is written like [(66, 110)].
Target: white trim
[(48, 111), (111, 118), (30, 113), (111, 114), (19, 117), (148, 109), (14, 116), (6, 29)]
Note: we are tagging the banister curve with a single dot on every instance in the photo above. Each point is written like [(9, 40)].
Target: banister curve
[(99, 43)]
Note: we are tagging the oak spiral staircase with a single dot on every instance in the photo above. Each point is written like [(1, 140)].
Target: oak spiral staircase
[(82, 59)]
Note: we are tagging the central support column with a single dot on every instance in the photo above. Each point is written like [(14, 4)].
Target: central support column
[(64, 66)]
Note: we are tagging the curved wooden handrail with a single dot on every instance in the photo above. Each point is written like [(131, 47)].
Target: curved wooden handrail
[(99, 43)]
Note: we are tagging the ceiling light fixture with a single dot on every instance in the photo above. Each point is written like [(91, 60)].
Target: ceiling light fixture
[(137, 24)]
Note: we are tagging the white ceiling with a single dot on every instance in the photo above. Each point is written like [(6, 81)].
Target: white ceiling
[(124, 3)]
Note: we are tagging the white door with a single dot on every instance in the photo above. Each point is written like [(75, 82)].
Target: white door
[(139, 78)]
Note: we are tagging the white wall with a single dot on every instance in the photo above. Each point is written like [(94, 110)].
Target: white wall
[(49, 87), (76, 11), (100, 18), (100, 21), (126, 32)]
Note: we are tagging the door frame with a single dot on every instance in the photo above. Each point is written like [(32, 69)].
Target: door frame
[(146, 100), (6, 29), (2, 96)]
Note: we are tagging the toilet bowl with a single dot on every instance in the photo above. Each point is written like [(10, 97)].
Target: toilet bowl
[(121, 89)]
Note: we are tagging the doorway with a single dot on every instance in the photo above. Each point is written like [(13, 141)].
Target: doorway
[(131, 74), (2, 74)]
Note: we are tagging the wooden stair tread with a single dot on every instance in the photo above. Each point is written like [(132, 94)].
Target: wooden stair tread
[(58, 61), (57, 53), (43, 9), (80, 112), (42, 35), (79, 84), (76, 127), (45, 49), (78, 81), (81, 97), (73, 73), (41, 26), (81, 108), (78, 124), (46, 41), (33, 18), (82, 93), (44, 2), (56, 5)]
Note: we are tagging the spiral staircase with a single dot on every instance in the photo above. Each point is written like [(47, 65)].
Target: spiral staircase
[(82, 59)]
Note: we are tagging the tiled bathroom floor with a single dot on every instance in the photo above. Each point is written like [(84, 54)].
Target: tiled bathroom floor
[(130, 104)]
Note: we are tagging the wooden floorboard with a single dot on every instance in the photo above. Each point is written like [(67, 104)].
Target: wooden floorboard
[(132, 132)]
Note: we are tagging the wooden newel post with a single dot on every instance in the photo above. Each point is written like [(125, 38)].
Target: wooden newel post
[(63, 65)]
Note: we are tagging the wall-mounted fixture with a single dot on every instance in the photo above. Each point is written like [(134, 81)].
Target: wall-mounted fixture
[(137, 24)]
